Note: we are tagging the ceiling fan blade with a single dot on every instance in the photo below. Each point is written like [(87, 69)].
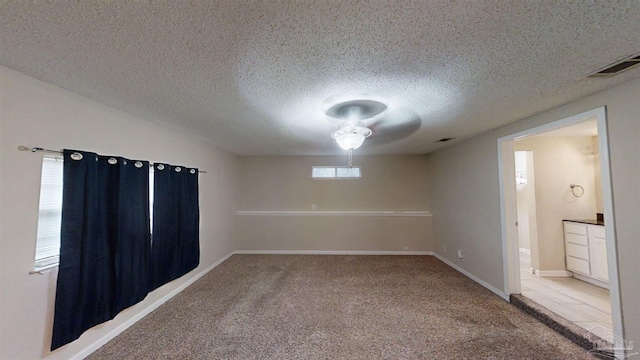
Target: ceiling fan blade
[(393, 125)]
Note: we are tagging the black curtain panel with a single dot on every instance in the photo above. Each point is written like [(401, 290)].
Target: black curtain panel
[(164, 244), (133, 240), (189, 235), (175, 245), (104, 241)]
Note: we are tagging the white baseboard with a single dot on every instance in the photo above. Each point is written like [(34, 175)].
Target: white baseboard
[(122, 327), (473, 277), (329, 252), (553, 273), (592, 281)]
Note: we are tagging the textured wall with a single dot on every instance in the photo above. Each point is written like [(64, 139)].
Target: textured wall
[(471, 218), (39, 114)]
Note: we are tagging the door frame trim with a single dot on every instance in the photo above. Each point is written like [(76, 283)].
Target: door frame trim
[(508, 211)]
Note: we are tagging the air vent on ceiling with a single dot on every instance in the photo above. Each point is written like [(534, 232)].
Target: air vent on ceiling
[(618, 67), (445, 139)]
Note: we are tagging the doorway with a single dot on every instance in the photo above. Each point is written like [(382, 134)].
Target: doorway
[(526, 209), (515, 264), (546, 165)]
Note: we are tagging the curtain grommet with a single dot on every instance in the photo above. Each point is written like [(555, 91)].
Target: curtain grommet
[(193, 171), (160, 167), (138, 164), (178, 169), (76, 156), (112, 161)]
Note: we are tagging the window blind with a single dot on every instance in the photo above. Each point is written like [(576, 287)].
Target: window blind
[(335, 172), (50, 212)]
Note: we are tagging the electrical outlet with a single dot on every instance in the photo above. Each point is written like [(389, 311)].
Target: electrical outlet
[(314, 206), (444, 248), (405, 248), (460, 255)]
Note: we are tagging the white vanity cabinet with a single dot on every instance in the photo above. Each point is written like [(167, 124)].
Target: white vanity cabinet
[(586, 251), (598, 252), (576, 245)]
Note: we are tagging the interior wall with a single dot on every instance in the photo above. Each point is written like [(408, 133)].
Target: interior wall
[(597, 174), (469, 217), (559, 162), (34, 113), (284, 183), (281, 193), (524, 198), (527, 211)]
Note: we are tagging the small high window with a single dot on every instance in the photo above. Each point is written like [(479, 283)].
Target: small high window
[(335, 172)]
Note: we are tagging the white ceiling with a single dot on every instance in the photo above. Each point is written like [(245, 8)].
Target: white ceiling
[(255, 77)]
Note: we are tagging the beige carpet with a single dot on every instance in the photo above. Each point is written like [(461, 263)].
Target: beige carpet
[(337, 307)]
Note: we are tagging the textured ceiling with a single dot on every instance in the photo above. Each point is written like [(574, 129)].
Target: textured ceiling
[(256, 77)]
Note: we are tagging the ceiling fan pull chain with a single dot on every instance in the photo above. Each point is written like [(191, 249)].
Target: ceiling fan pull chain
[(350, 158)]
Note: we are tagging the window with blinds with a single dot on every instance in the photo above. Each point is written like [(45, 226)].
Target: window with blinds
[(335, 172), (50, 213)]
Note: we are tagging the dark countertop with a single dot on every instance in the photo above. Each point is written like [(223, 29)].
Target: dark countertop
[(590, 222)]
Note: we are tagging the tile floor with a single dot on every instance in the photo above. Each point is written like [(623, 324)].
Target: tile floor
[(586, 305)]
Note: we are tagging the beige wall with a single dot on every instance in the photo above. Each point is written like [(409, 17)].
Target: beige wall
[(273, 185), (284, 183), (559, 162), (468, 216), (334, 233), (597, 174), (526, 206), (34, 113)]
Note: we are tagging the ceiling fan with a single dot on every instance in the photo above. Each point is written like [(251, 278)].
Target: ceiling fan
[(359, 119)]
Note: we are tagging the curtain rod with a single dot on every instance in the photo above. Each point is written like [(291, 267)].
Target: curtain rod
[(37, 149)]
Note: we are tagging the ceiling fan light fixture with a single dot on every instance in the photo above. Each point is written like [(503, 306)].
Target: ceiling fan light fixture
[(350, 141), (351, 136)]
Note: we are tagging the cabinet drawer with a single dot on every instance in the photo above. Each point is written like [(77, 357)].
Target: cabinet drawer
[(578, 265), (596, 231), (575, 228), (577, 251), (576, 239)]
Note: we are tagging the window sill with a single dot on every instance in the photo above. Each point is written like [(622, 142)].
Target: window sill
[(44, 267)]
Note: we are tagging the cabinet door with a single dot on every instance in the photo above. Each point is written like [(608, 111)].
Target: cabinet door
[(578, 265), (598, 255)]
